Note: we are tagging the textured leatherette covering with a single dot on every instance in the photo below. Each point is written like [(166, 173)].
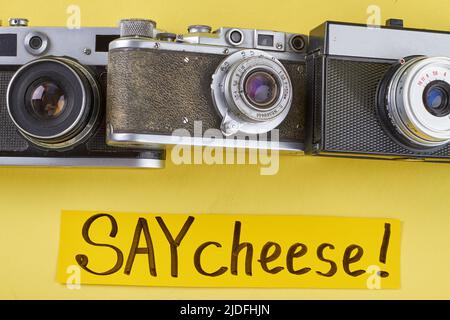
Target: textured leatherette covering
[(345, 119)]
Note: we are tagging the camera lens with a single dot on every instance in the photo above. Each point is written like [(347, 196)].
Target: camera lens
[(252, 90), (35, 42), (436, 98), (54, 102), (261, 89), (414, 103), (47, 100)]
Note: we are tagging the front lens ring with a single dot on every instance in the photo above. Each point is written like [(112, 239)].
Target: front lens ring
[(224, 95), (234, 88), (80, 126), (405, 106)]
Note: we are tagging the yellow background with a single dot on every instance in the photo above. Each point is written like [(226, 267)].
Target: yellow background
[(416, 193), (258, 230)]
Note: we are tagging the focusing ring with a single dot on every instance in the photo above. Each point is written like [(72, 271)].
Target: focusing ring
[(75, 125), (386, 121), (401, 109), (228, 93)]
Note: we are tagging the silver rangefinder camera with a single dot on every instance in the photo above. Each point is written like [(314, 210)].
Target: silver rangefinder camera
[(233, 85), (52, 99)]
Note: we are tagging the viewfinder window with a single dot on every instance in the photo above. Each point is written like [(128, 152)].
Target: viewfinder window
[(265, 40)]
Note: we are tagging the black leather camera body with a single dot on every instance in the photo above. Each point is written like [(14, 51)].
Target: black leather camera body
[(378, 92)]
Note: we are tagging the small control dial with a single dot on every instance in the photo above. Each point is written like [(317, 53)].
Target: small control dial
[(18, 22)]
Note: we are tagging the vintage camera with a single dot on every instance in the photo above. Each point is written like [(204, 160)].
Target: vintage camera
[(52, 99), (240, 83), (380, 92)]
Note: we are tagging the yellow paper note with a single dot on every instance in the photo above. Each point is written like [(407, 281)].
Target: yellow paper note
[(204, 250)]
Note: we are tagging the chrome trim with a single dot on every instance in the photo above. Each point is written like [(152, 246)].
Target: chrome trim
[(231, 103), (62, 42), (153, 44), (135, 140), (279, 40), (405, 104), (18, 22), (384, 43), (44, 45), (82, 162), (220, 37)]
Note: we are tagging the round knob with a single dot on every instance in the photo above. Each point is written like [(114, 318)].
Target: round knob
[(137, 28), (18, 22), (199, 28)]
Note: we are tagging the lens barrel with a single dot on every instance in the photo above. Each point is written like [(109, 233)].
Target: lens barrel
[(54, 102), (252, 91), (413, 103)]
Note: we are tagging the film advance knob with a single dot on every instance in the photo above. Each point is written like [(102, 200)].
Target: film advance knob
[(137, 28), (18, 22)]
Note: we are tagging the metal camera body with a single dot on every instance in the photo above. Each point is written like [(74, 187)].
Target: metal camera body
[(159, 82), (379, 92), (65, 69)]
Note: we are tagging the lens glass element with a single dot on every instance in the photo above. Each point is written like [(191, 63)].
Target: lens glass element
[(261, 89), (436, 98), (48, 100)]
